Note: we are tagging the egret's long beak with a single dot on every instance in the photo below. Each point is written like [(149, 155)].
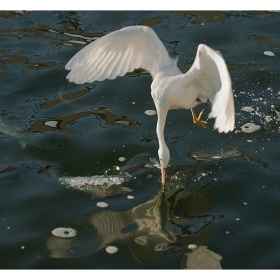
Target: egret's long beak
[(163, 178)]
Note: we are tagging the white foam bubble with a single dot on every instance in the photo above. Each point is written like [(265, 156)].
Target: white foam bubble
[(192, 246), (102, 204), (150, 112), (64, 232), (112, 250), (250, 127)]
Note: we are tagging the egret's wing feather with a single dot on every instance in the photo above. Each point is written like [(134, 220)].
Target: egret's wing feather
[(117, 53), (210, 74)]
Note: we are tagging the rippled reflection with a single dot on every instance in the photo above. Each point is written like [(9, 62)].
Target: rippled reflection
[(209, 16), (16, 170), (169, 222), (60, 123), (48, 141)]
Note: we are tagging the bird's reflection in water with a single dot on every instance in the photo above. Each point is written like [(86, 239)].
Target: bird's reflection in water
[(169, 222)]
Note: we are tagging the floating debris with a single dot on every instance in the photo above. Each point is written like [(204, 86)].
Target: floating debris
[(192, 246), (112, 250), (217, 157), (22, 247), (227, 232), (123, 122), (64, 232), (250, 141), (269, 53), (150, 112), (130, 197), (237, 219), (121, 159), (245, 203), (51, 123), (248, 109), (250, 127), (267, 119)]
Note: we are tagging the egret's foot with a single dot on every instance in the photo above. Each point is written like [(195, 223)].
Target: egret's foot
[(197, 120)]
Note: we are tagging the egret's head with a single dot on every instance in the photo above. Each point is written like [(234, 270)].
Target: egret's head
[(164, 156)]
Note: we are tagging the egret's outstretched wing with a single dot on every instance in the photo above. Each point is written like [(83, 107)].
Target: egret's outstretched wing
[(117, 53), (210, 74)]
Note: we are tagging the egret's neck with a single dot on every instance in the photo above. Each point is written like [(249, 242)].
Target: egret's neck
[(163, 151)]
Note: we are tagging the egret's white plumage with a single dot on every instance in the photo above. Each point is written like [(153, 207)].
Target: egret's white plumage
[(135, 47)]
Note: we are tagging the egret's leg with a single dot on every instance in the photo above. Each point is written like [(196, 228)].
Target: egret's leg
[(197, 120)]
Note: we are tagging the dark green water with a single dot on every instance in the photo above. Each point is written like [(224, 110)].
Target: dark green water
[(228, 206)]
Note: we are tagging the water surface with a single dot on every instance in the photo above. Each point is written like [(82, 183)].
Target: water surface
[(225, 187)]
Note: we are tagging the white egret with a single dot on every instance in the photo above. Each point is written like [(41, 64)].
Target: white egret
[(134, 47)]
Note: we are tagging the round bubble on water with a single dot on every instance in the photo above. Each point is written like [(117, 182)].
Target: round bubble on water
[(64, 232), (102, 204), (150, 112), (250, 127), (192, 246), (112, 250)]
